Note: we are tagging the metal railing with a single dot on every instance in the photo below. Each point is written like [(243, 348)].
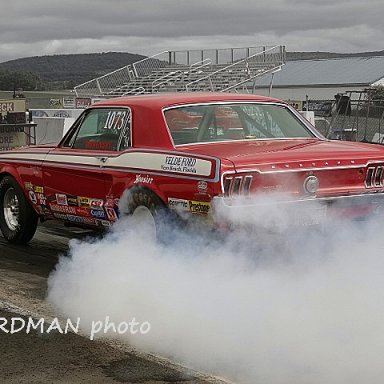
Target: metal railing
[(207, 67), (146, 66), (358, 119), (167, 80), (135, 91), (104, 84), (241, 71)]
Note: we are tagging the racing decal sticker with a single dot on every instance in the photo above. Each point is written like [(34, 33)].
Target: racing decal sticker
[(62, 208), (81, 211), (98, 213), (202, 185), (35, 188), (111, 213), (33, 197), (178, 204), (180, 164), (90, 220), (38, 189), (84, 202), (199, 206), (61, 199), (60, 216), (97, 204), (192, 206), (143, 179), (41, 199), (187, 165), (72, 200), (75, 219)]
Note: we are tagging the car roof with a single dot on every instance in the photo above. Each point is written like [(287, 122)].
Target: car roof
[(162, 100)]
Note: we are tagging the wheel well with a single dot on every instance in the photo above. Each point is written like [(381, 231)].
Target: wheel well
[(126, 197)]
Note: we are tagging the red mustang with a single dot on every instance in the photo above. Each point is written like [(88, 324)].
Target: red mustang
[(188, 154)]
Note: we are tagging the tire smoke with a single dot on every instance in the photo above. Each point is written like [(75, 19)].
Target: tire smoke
[(300, 306)]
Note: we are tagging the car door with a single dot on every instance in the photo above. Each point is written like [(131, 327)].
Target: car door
[(75, 181)]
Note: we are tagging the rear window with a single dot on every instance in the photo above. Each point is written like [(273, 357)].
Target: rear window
[(238, 121)]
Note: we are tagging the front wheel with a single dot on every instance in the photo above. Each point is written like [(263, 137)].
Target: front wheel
[(18, 220)]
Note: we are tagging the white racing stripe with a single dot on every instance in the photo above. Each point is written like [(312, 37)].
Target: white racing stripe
[(174, 163)]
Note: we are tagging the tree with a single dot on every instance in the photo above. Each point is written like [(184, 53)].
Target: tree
[(26, 80)]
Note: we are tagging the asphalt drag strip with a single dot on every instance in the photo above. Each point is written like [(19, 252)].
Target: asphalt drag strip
[(31, 354)]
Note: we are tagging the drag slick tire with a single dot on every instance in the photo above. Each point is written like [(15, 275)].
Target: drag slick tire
[(18, 220), (149, 212)]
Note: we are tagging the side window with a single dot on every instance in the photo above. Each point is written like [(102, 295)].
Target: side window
[(102, 129)]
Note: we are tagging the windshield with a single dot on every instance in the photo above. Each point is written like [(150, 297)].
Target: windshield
[(237, 121)]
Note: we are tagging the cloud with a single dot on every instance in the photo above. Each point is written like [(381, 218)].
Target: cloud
[(146, 26)]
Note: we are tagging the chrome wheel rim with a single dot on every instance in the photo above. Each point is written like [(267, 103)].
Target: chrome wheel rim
[(11, 209)]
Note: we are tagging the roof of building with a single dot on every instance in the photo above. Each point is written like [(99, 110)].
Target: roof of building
[(363, 71)]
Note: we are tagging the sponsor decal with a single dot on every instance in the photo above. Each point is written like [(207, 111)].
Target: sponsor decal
[(72, 200), (179, 164), (90, 220), (51, 198), (32, 196), (41, 198), (61, 199), (178, 204), (143, 179), (38, 189), (105, 223), (81, 211), (84, 202), (97, 203), (28, 186), (202, 185), (62, 208), (111, 214), (75, 219), (199, 206), (60, 216), (109, 202), (97, 213)]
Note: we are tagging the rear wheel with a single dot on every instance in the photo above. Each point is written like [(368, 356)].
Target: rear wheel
[(148, 212), (18, 220)]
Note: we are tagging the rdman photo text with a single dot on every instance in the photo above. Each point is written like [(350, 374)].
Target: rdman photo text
[(64, 326)]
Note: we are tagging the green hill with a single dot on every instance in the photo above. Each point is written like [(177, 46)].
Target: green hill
[(66, 71)]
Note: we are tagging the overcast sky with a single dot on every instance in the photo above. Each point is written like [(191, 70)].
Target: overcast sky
[(47, 27)]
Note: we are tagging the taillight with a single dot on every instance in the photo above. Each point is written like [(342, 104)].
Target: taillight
[(237, 185), (374, 176)]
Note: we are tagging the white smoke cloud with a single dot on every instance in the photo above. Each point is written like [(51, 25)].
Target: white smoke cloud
[(307, 309)]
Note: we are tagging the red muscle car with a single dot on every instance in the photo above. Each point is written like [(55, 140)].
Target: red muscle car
[(185, 153)]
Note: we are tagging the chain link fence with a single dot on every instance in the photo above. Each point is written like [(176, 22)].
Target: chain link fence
[(350, 116)]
